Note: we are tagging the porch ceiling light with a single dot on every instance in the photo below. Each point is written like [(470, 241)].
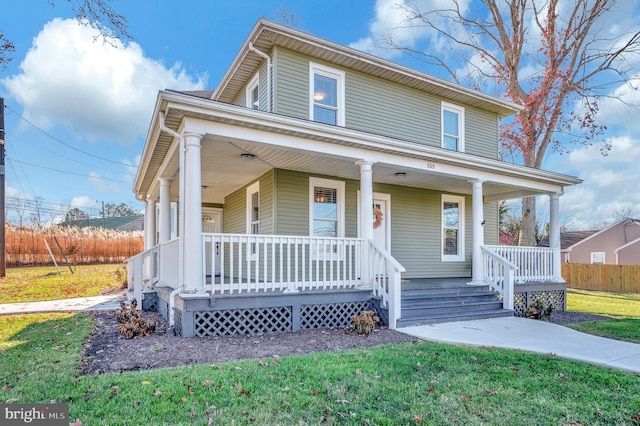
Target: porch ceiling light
[(400, 175), (319, 96), (247, 156)]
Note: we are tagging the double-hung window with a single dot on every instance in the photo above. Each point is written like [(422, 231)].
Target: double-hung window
[(452, 228), (326, 213), (253, 213), (452, 127), (252, 93), (326, 95)]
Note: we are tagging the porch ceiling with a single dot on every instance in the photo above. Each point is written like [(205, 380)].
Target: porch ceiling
[(225, 171)]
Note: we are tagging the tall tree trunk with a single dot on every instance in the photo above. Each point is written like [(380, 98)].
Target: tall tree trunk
[(528, 233)]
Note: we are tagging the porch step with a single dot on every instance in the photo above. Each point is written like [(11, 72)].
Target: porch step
[(432, 304)]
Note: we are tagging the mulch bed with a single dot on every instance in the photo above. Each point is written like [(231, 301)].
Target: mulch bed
[(105, 351)]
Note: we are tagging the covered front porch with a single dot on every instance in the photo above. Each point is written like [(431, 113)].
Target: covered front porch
[(266, 283), (268, 175)]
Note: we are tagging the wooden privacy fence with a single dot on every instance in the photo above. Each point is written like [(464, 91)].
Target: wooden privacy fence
[(613, 278)]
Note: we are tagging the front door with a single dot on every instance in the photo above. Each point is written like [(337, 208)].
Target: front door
[(211, 223), (381, 220)]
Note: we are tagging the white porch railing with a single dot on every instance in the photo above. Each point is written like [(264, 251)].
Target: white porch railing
[(142, 270), (535, 264), (499, 273), (386, 276), (244, 263)]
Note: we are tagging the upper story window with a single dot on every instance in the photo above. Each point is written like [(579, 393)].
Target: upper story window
[(252, 94), (452, 127), (452, 228), (326, 103)]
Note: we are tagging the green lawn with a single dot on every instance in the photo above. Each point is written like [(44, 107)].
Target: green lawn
[(624, 308), (44, 283), (414, 383)]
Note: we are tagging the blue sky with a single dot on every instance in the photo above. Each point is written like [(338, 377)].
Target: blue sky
[(78, 110)]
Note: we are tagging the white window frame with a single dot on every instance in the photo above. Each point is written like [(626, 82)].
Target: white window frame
[(252, 189), (339, 76), (460, 257), (253, 84), (460, 111), (595, 254)]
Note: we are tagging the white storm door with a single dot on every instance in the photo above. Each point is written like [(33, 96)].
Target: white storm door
[(211, 223)]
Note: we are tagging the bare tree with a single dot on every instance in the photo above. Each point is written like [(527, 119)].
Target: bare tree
[(287, 17), (97, 14), (573, 54)]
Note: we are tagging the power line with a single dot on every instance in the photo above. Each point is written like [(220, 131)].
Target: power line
[(53, 152), (70, 173), (64, 143)]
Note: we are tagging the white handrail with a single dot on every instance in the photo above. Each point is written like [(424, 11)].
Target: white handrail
[(387, 280), (499, 273), (249, 263), (535, 263)]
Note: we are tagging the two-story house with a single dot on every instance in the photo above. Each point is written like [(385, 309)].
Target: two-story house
[(317, 181)]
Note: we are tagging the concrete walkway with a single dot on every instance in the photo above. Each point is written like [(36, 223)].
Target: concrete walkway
[(534, 336), (96, 303)]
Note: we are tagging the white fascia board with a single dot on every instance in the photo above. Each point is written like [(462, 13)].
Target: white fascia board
[(149, 145)]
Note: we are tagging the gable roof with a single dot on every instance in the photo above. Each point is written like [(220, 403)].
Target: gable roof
[(629, 244), (122, 223), (568, 239), (267, 34), (603, 230)]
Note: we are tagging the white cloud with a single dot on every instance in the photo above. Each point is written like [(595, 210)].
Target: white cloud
[(621, 108), (392, 21), (611, 184), (83, 202), (100, 92)]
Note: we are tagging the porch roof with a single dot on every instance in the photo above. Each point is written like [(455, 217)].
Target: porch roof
[(290, 143)]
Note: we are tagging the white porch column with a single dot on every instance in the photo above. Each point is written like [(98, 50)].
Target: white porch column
[(193, 268), (554, 236), (366, 215), (150, 224), (165, 210), (477, 229)]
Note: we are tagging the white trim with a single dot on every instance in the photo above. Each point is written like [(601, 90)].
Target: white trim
[(252, 189), (461, 228), (339, 76), (251, 86), (445, 106), (387, 217), (339, 186), (597, 253)]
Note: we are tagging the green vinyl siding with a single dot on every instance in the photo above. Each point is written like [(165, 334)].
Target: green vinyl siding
[(292, 203), (241, 96), (291, 84), (379, 106), (235, 205), (415, 219), (491, 224), (481, 133)]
